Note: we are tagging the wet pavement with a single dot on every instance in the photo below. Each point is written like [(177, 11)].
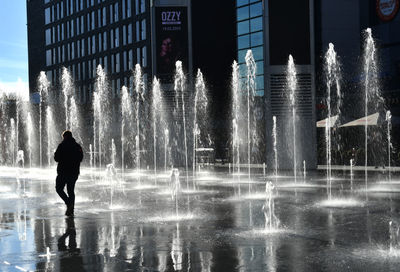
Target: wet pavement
[(216, 223)]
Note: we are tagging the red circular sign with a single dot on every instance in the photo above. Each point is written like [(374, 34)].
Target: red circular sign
[(387, 9)]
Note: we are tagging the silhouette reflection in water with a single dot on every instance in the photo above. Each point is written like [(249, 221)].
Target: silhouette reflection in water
[(70, 257)]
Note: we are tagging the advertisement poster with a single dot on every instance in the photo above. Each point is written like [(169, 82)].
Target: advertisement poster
[(171, 39)]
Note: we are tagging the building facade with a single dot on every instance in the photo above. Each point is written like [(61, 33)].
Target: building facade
[(273, 30), (82, 34)]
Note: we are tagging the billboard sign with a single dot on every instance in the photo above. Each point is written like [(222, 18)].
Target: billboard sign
[(171, 39)]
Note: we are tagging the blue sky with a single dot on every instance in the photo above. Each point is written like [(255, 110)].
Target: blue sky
[(13, 42)]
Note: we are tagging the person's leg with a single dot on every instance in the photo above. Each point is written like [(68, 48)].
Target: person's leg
[(60, 184), (71, 193)]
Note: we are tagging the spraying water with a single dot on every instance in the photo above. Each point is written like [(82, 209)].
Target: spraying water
[(91, 156), (100, 106), (126, 113), (12, 146), (66, 88), (3, 113), (264, 169), (389, 142), (111, 175), (351, 173), (332, 79), (251, 89), (274, 136), (291, 81), (139, 97), (96, 125), (43, 93), (18, 108), (158, 120), (373, 101), (74, 118), (113, 152), (29, 127), (50, 126), (20, 159), (180, 87), (235, 85), (200, 128), (304, 171), (166, 143)]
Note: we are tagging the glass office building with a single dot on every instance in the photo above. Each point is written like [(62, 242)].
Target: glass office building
[(250, 35), (273, 29), (82, 34)]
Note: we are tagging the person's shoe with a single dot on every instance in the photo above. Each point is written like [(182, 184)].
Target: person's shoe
[(70, 210)]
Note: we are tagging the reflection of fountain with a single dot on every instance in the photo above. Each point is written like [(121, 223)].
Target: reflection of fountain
[(177, 250), (22, 229), (206, 261), (291, 81), (48, 254), (394, 235), (271, 220)]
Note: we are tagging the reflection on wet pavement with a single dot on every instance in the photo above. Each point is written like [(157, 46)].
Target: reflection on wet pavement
[(215, 224)]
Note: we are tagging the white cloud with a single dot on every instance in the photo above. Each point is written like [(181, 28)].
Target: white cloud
[(18, 87)]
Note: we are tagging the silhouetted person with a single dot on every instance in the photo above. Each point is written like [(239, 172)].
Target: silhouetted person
[(69, 156)]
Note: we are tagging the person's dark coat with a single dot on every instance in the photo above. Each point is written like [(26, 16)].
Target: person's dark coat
[(69, 155)]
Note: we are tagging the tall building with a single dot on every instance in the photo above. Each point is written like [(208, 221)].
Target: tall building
[(117, 34), (273, 29)]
